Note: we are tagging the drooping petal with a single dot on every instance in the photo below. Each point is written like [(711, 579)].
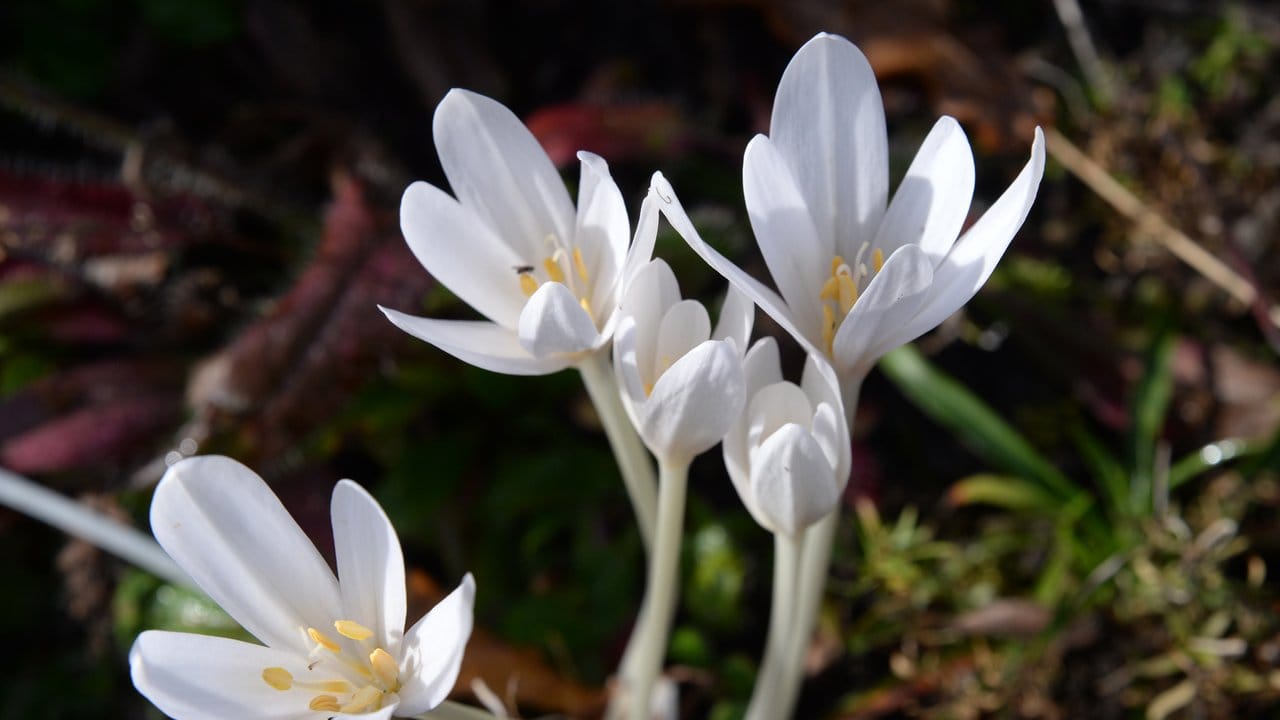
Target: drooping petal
[(694, 402), (684, 326), (930, 205), (767, 299), (370, 565), (970, 262), (198, 677), (223, 525), (652, 292), (498, 170), (554, 323), (433, 650), (737, 317), (792, 481), (463, 253), (799, 258), (828, 122), (892, 298), (602, 231), (483, 344)]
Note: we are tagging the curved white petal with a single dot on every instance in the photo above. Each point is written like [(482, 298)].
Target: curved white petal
[(198, 677), (370, 565), (483, 344), (553, 323), (628, 367), (433, 650), (761, 366), (651, 293), (646, 236), (601, 232), (893, 297), (772, 407), (828, 122), (694, 402), (830, 428), (463, 253), (223, 525), (976, 253), (792, 481), (499, 171), (799, 258), (932, 202), (767, 299), (737, 317), (684, 326)]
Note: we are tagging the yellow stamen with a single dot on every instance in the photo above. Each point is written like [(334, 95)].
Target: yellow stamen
[(828, 328), (352, 629), (836, 262), (553, 270), (830, 289), (323, 640), (337, 687), (278, 678), (579, 265), (528, 284), (325, 703), (364, 699), (877, 259), (848, 292), (385, 668), (586, 305)]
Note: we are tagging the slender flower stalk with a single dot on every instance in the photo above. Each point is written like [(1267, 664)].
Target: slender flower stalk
[(331, 645), (767, 696)]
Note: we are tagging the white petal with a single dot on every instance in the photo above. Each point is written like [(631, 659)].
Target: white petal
[(370, 565), (737, 317), (627, 367), (799, 258), (792, 482), (553, 323), (932, 202), (433, 650), (478, 343), (602, 231), (828, 122), (694, 402), (684, 326), (773, 406), (767, 299), (197, 677), (223, 525), (760, 367), (500, 172), (892, 298), (976, 253), (652, 292), (646, 236), (830, 428), (462, 253)]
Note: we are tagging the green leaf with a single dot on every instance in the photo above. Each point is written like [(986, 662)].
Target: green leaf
[(984, 432), (1211, 456), (1110, 474), (1150, 403), (1010, 493)]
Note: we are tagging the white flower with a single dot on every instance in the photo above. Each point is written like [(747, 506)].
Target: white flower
[(788, 453), (855, 278), (681, 383), (511, 245), (329, 648)]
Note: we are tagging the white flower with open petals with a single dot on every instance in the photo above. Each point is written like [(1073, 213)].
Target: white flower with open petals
[(856, 277), (331, 646), (682, 384), (788, 452), (511, 245)]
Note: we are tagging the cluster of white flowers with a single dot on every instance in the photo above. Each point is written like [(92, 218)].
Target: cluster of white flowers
[(855, 274)]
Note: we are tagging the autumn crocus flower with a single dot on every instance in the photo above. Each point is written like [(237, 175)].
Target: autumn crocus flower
[(509, 243), (331, 646), (855, 277)]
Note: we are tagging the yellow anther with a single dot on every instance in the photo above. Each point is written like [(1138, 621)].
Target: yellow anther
[(848, 292), (528, 284), (586, 305), (278, 678), (325, 703), (553, 270), (828, 328), (352, 629), (830, 289), (365, 699), (877, 259), (385, 669), (323, 640), (337, 687), (836, 262), (579, 265), (648, 389)]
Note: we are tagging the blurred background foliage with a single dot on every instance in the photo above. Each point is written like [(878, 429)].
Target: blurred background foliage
[(1064, 499)]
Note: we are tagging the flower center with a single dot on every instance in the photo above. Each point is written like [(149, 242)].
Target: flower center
[(366, 674), (562, 266), (840, 292)]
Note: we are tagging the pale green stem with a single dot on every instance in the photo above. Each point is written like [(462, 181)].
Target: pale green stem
[(766, 696), (642, 663), (456, 711), (74, 518), (633, 459)]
